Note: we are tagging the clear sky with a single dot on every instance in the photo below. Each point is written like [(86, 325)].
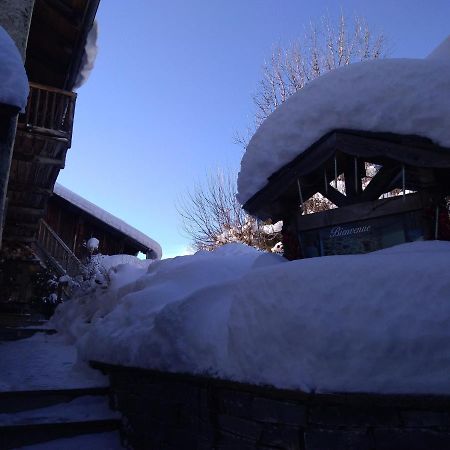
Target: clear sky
[(173, 82)]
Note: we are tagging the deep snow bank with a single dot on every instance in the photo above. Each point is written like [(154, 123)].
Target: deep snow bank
[(378, 322)]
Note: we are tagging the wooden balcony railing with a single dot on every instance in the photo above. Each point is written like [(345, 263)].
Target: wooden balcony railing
[(57, 250), (49, 112)]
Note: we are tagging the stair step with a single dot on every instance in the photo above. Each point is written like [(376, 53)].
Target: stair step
[(86, 414), (103, 441), (15, 437), (16, 401), (16, 333)]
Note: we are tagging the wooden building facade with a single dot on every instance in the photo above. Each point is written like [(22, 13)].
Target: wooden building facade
[(75, 220), (366, 216)]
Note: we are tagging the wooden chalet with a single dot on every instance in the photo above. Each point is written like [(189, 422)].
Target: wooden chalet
[(54, 57), (54, 34), (366, 216), (71, 221)]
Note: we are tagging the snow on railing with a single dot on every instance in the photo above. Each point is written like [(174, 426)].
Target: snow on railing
[(57, 250), (49, 111)]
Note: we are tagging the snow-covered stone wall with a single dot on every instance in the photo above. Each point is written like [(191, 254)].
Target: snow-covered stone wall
[(178, 411)]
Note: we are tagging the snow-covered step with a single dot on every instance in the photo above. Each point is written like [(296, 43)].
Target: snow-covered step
[(83, 415), (98, 441), (44, 362), (16, 333), (16, 401)]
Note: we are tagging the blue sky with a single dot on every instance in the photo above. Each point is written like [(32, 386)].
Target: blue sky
[(173, 82)]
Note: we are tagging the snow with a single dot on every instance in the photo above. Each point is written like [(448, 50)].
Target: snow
[(403, 96), (273, 228), (378, 322), (44, 362), (108, 218), (89, 56), (85, 408), (13, 79), (99, 441), (92, 244), (442, 51)]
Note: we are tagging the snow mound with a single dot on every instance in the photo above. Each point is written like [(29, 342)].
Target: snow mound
[(108, 218), (13, 79), (404, 96), (377, 322)]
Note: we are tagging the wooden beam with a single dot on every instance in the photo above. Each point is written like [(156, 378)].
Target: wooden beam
[(50, 161), (364, 211), (18, 238), (352, 176), (15, 186), (335, 196), (26, 210), (380, 183)]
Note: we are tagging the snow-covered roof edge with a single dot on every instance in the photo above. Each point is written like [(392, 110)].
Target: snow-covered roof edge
[(107, 218)]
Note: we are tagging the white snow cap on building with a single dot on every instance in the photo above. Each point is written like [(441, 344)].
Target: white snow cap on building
[(403, 96), (13, 78), (108, 218), (89, 56)]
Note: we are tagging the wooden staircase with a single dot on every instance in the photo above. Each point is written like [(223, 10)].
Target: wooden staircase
[(56, 251), (29, 417)]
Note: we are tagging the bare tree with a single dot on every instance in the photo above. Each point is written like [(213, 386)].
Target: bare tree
[(210, 212), (325, 45), (211, 216)]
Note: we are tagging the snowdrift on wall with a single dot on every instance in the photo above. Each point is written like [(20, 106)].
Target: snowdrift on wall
[(378, 322)]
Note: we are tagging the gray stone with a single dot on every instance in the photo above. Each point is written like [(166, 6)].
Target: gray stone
[(338, 416), (274, 411), (241, 427), (15, 17), (337, 440), (280, 436), (424, 419), (412, 439), (235, 403), (232, 442)]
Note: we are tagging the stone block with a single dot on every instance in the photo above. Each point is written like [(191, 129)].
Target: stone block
[(235, 403), (232, 442), (353, 417), (425, 419), (280, 436), (274, 411), (337, 440), (241, 427), (411, 439)]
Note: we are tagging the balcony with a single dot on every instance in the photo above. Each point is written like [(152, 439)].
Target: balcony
[(49, 112), (44, 134)]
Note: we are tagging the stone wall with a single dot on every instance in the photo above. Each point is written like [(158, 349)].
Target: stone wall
[(15, 17), (170, 411)]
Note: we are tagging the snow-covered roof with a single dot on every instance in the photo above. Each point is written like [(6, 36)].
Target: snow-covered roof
[(13, 78), (402, 96), (108, 218), (89, 56)]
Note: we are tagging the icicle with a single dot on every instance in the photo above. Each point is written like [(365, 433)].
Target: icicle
[(300, 193), (335, 172), (326, 180), (403, 181), (436, 225)]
